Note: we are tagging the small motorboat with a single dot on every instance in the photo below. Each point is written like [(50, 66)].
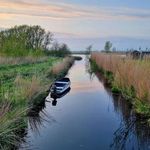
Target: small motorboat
[(57, 96), (60, 86)]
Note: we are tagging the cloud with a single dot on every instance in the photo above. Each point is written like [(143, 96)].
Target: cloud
[(66, 35), (61, 11)]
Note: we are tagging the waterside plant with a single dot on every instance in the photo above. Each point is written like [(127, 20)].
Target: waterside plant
[(126, 76), (24, 85)]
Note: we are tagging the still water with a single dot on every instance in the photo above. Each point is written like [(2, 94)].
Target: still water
[(88, 117)]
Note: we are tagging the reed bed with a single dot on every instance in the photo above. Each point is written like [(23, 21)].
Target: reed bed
[(21, 60), (28, 88), (11, 123), (61, 67), (129, 75)]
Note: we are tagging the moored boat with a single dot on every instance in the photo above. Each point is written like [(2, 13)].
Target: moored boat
[(60, 86)]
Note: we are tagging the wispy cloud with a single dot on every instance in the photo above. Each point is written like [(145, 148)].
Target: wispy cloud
[(60, 11)]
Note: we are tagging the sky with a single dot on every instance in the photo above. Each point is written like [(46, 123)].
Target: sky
[(80, 23)]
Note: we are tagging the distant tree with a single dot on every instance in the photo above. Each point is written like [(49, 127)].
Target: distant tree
[(55, 46), (114, 49), (47, 40), (59, 50), (38, 38), (89, 49), (64, 50), (140, 49), (19, 40), (108, 46)]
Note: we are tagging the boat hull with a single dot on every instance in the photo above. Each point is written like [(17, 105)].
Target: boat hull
[(60, 95), (60, 86)]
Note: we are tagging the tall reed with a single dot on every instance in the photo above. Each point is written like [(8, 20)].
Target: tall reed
[(62, 66), (28, 88), (128, 73), (4, 60), (11, 123)]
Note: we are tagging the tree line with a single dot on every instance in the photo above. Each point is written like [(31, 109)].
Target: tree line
[(23, 40)]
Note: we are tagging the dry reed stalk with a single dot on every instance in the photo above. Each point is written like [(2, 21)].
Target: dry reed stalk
[(4, 108), (61, 66), (20, 60), (28, 88), (127, 72)]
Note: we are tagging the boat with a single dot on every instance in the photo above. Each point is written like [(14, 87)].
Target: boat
[(58, 96), (60, 86)]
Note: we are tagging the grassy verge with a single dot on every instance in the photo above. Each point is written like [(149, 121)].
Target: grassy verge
[(23, 85), (127, 77)]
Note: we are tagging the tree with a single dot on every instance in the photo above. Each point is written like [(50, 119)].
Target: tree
[(89, 49), (140, 49), (47, 40), (114, 49), (64, 50), (108, 46), (19, 40), (55, 46), (59, 50)]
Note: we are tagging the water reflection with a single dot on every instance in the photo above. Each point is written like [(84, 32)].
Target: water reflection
[(88, 69), (37, 116), (55, 97), (127, 122), (54, 102), (52, 97), (132, 133)]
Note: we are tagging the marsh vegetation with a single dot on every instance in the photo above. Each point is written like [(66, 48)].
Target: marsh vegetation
[(20, 86), (27, 68), (127, 76)]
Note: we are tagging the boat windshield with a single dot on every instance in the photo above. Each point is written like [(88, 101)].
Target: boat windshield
[(60, 84)]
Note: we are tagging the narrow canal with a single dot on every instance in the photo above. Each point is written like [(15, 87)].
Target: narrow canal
[(88, 117)]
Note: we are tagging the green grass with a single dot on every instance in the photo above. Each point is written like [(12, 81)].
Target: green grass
[(9, 74), (22, 87)]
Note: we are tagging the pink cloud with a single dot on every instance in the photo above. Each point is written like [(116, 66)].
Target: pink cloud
[(59, 11)]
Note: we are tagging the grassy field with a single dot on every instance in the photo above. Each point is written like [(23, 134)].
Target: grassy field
[(127, 76), (22, 80)]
